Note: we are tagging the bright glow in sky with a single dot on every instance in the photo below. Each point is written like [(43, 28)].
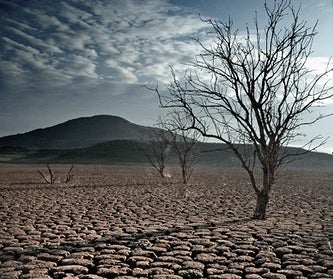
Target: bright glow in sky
[(71, 58)]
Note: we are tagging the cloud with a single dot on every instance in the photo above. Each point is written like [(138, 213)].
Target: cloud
[(51, 22), (125, 41), (20, 25), (119, 73), (320, 64)]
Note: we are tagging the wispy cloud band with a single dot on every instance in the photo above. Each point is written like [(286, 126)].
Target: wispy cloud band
[(122, 41)]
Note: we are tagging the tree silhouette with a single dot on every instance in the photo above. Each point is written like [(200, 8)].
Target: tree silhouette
[(254, 89), (157, 152), (183, 141)]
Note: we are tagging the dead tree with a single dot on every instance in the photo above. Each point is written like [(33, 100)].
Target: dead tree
[(157, 152), (183, 141), (69, 174), (257, 92), (50, 179)]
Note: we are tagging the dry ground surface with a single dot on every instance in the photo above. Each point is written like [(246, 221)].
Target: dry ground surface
[(111, 222)]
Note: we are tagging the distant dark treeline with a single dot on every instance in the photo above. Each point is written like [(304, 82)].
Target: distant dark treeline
[(131, 152)]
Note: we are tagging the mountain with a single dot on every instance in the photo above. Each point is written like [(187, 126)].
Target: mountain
[(107, 139), (131, 152), (80, 132)]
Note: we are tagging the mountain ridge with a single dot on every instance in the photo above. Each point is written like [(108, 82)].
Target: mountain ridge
[(79, 132), (132, 152), (107, 139)]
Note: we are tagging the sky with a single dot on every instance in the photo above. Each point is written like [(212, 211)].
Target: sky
[(65, 59)]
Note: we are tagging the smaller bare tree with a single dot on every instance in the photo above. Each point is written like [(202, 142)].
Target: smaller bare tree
[(157, 152), (50, 178), (69, 174), (182, 140)]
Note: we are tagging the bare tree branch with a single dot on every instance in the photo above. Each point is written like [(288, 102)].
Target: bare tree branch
[(69, 175), (183, 141), (157, 152), (257, 92), (51, 178)]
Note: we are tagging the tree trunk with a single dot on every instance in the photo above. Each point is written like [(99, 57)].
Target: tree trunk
[(260, 211), (184, 175), (263, 195)]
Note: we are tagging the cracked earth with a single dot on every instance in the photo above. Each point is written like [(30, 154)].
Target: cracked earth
[(111, 222)]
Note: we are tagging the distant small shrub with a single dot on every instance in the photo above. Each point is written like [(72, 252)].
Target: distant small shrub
[(50, 177)]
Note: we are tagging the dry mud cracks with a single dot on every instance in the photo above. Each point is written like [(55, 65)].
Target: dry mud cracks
[(123, 223)]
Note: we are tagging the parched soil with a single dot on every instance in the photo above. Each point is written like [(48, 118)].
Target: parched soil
[(110, 222)]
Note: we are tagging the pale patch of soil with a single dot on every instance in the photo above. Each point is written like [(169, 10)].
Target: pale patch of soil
[(117, 222)]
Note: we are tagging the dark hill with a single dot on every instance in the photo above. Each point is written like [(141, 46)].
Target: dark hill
[(114, 140), (131, 152), (80, 132)]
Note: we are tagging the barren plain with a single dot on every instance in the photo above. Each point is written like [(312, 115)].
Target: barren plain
[(124, 222)]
